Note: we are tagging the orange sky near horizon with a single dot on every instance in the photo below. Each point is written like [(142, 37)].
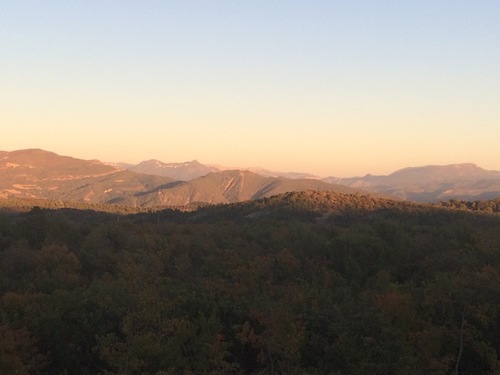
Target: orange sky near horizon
[(330, 88)]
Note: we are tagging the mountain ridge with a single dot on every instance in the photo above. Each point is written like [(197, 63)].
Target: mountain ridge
[(431, 183), (190, 170), (35, 174), (179, 171)]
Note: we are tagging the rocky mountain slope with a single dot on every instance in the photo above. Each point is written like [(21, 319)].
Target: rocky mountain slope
[(232, 186), (39, 174)]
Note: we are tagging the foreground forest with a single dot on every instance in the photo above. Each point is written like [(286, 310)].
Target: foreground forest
[(301, 283)]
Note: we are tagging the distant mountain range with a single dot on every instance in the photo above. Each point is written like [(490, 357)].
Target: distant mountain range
[(231, 186), (42, 174), (421, 184), (193, 169), (36, 173), (431, 183), (178, 171), (39, 174)]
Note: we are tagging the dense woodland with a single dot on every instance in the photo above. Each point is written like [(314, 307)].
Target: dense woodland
[(301, 283)]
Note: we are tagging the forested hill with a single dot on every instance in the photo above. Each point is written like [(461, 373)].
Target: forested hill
[(300, 283), (309, 201)]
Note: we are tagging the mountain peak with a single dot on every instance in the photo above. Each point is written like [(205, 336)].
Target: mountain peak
[(441, 172), (179, 171), (38, 158), (432, 182)]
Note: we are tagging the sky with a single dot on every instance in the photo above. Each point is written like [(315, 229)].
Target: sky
[(334, 88)]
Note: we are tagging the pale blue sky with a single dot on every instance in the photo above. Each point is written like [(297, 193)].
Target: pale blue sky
[(338, 88)]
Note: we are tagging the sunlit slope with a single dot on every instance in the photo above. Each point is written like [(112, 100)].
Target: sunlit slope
[(233, 186), (38, 174), (45, 175)]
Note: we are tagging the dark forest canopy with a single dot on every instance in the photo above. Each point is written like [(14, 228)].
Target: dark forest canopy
[(301, 283)]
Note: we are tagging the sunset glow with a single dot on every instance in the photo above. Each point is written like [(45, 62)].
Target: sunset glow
[(333, 88)]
